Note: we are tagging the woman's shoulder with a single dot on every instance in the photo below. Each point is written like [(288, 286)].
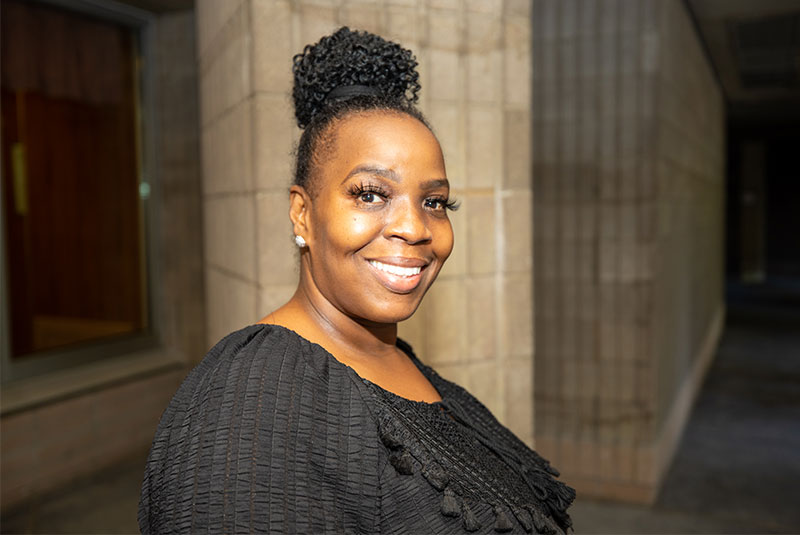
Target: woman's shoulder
[(257, 415), (257, 364), (261, 348)]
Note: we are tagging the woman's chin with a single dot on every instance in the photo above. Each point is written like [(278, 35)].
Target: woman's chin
[(392, 312)]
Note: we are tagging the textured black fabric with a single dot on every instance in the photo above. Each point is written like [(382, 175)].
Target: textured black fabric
[(270, 433)]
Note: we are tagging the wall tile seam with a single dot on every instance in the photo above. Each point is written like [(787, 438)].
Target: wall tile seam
[(499, 293), (688, 135), (516, 358), (464, 359), (232, 194), (459, 15), (506, 192), (257, 191), (688, 170), (692, 127), (432, 102), (273, 96), (220, 270), (257, 244), (206, 67), (212, 51), (493, 101), (477, 276), (209, 123), (473, 192)]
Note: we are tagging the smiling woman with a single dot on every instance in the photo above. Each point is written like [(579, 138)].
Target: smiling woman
[(318, 418)]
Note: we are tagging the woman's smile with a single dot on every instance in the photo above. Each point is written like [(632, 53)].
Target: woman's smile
[(400, 275)]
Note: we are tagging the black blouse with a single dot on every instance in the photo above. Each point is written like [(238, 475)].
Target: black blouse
[(270, 433)]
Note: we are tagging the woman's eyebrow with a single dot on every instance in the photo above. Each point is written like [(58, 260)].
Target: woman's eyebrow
[(391, 174), (436, 183)]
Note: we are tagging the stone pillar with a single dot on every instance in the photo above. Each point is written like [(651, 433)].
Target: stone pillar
[(475, 326), (628, 190)]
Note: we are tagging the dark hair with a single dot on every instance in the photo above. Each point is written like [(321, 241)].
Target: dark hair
[(367, 72)]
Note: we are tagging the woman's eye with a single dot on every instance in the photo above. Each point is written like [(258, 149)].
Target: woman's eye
[(436, 204), (366, 194)]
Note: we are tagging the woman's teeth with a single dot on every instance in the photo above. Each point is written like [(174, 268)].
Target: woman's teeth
[(396, 270)]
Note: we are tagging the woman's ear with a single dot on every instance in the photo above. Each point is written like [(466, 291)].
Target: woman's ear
[(299, 207)]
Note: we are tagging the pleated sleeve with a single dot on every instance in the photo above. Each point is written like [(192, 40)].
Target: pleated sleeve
[(264, 435)]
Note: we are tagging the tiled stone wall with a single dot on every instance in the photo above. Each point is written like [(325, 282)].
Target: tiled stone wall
[(475, 326), (628, 191), (690, 182)]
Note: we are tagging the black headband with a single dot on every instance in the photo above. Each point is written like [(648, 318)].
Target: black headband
[(348, 91)]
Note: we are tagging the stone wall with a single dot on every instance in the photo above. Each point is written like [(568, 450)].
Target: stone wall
[(475, 326), (628, 190)]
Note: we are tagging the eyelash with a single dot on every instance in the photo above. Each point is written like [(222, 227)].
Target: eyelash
[(448, 203), (357, 190)]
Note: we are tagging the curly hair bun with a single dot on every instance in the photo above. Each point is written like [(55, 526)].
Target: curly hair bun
[(350, 58)]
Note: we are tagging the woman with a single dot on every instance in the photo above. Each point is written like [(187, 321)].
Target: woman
[(319, 419)]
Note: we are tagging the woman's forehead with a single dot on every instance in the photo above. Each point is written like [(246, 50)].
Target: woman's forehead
[(390, 140)]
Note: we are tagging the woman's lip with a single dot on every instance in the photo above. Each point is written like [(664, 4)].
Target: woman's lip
[(402, 261), (397, 283)]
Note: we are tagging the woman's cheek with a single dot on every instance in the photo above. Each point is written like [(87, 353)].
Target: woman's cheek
[(363, 226), (445, 240)]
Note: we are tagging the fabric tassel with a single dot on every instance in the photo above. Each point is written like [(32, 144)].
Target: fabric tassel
[(524, 518), (540, 523), (450, 505), (538, 490), (471, 522), (391, 441), (502, 523), (402, 463), (437, 477), (566, 494)]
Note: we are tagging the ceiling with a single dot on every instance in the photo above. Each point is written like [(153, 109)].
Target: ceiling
[(754, 46)]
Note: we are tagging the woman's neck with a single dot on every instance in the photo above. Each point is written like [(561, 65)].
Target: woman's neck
[(312, 316), (368, 348)]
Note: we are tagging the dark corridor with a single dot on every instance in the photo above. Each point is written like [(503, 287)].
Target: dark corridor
[(737, 466)]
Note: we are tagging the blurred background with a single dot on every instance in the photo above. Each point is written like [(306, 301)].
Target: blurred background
[(625, 289)]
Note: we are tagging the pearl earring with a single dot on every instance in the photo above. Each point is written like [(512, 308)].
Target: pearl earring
[(299, 241)]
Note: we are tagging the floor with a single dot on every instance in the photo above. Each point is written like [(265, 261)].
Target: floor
[(737, 469), (104, 503)]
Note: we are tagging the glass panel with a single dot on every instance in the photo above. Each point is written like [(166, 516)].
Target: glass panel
[(70, 167)]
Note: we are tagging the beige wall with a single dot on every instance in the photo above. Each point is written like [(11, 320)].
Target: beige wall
[(690, 162), (475, 326), (628, 170)]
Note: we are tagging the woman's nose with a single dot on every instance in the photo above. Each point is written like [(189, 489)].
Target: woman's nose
[(409, 223)]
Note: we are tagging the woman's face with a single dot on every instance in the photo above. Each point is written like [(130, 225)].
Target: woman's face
[(378, 229)]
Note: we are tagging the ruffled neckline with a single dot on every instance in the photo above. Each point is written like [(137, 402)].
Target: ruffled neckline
[(401, 344)]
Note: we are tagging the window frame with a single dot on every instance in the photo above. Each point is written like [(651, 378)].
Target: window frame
[(54, 374)]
